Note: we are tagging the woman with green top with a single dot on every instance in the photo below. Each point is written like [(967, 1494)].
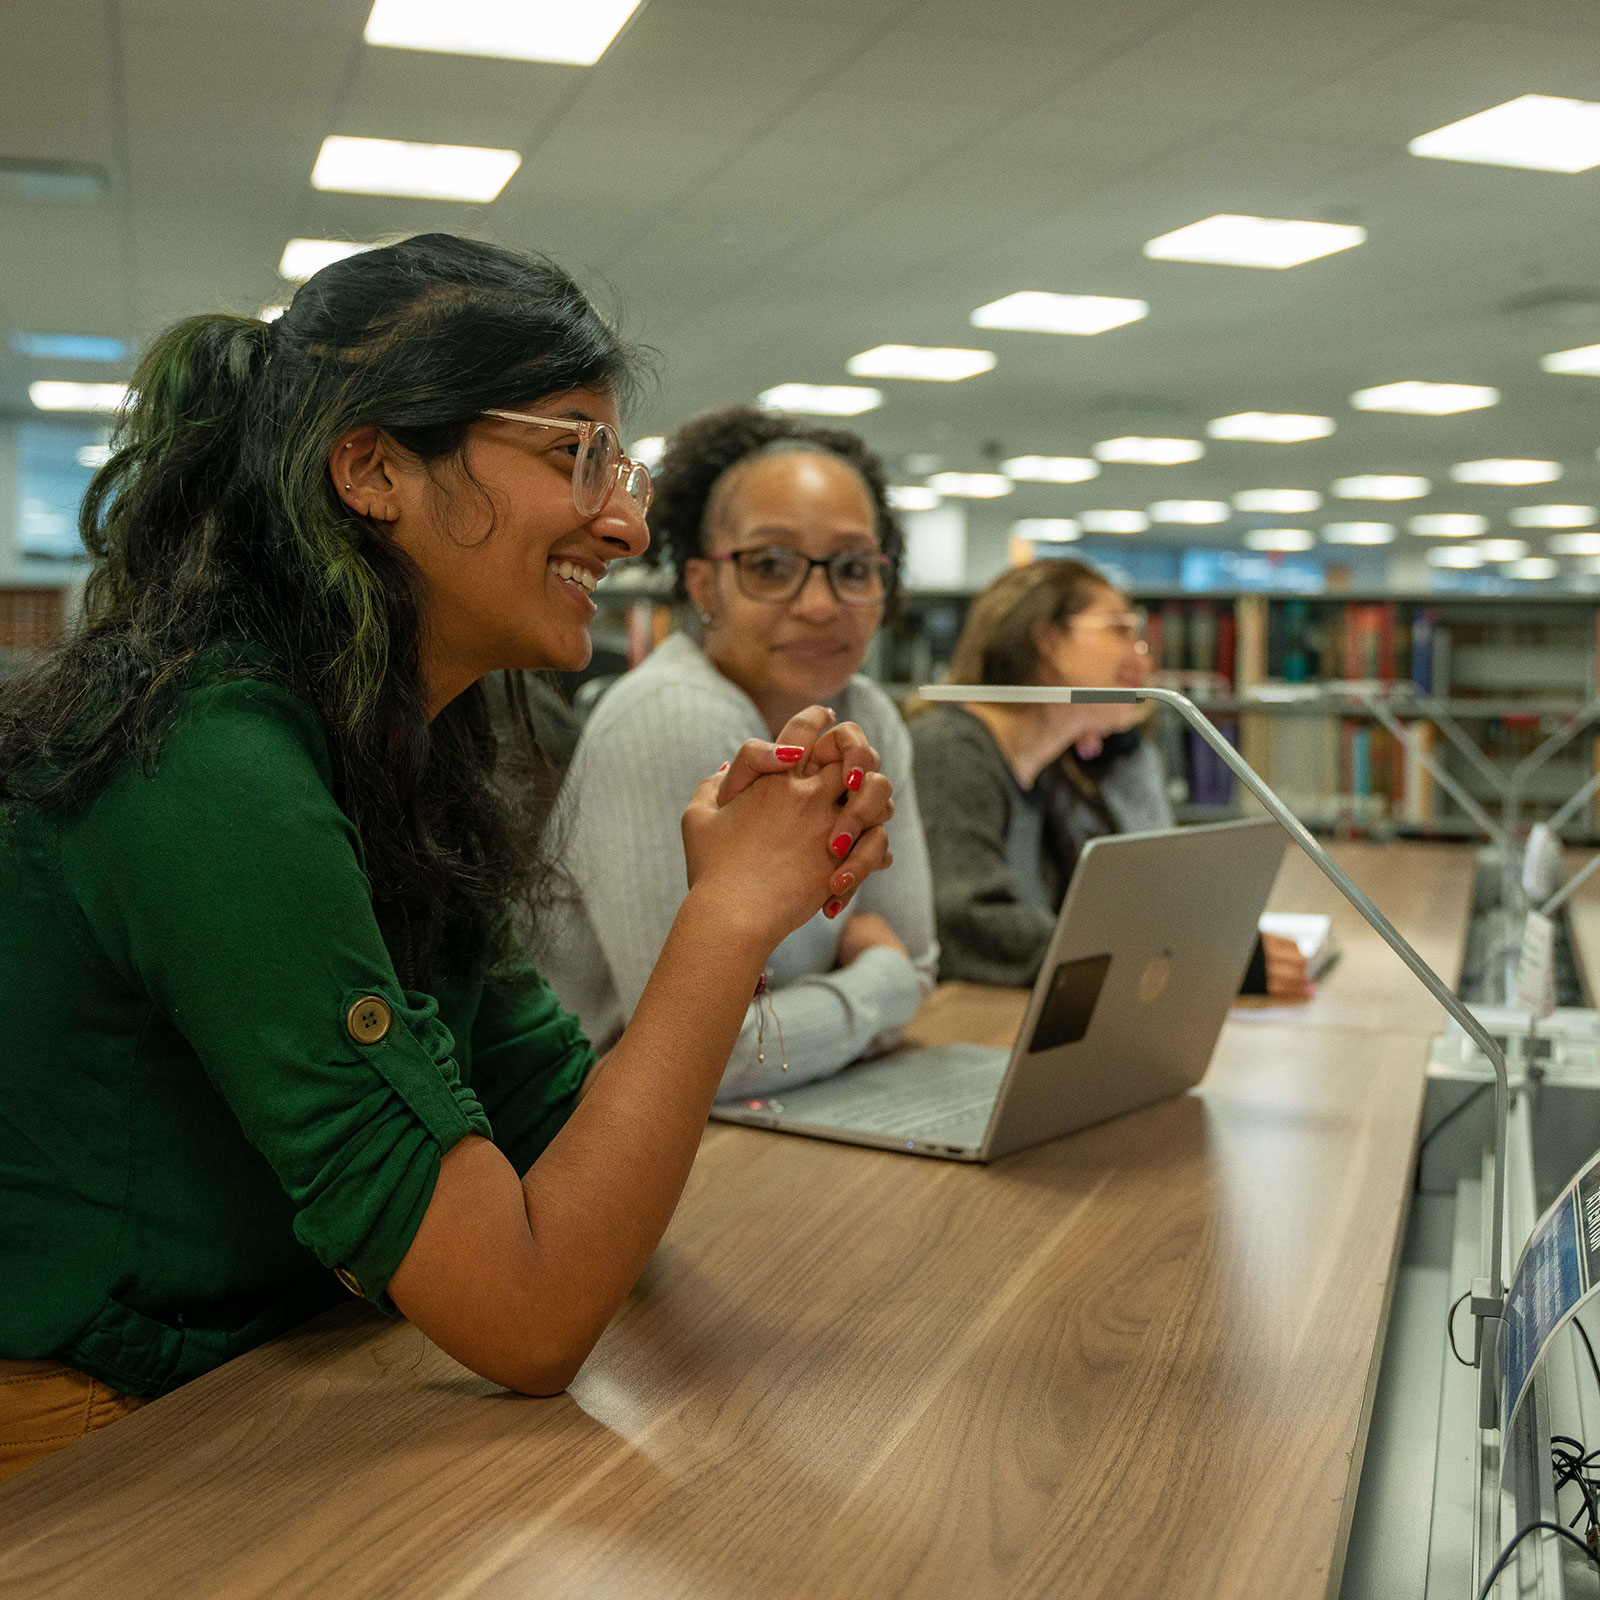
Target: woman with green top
[(267, 1028)]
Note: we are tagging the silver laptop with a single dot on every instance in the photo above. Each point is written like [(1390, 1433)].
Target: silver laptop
[(1148, 953)]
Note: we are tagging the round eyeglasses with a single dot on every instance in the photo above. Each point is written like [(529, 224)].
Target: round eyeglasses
[(599, 465), (778, 572)]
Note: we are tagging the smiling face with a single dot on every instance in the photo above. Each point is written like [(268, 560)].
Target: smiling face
[(506, 559), (786, 655)]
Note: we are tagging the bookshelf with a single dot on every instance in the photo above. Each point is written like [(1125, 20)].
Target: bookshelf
[(1509, 669)]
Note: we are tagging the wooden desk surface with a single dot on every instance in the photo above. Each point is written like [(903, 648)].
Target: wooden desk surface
[(1424, 889), (1135, 1362)]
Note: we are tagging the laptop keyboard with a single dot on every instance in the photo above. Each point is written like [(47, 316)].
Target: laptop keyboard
[(944, 1093)]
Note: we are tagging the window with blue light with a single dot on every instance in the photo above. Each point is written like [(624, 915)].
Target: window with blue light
[(55, 461)]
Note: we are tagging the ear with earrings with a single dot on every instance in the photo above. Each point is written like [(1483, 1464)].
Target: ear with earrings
[(349, 485)]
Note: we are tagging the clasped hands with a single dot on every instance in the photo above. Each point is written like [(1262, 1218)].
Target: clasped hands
[(804, 843)]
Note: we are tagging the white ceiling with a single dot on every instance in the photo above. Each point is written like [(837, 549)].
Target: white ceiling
[(765, 187)]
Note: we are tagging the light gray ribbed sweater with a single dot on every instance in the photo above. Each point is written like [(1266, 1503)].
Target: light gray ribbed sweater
[(655, 735)]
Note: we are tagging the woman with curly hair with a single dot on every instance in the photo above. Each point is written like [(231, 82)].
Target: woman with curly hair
[(267, 1031), (783, 543)]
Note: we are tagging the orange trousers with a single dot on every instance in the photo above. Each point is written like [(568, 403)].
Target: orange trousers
[(45, 1406)]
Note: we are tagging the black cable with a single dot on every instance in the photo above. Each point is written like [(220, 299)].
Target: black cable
[(1450, 1326), (1570, 1467), (1449, 1117), (1521, 1534), (1583, 1333)]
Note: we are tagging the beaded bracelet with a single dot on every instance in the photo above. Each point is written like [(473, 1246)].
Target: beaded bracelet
[(763, 992)]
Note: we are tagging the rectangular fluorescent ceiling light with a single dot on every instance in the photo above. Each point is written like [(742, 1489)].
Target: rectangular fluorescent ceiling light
[(1532, 567), (1462, 557), (1576, 544), (1495, 471), (928, 363), (970, 485), (820, 399), (1358, 533), (1270, 427), (1046, 530), (68, 347), (1051, 469), (1278, 501), (1449, 525), (95, 456), (1542, 132), (416, 171), (1381, 486), (271, 313), (1037, 311), (305, 258), (1150, 452), (1190, 511), (1113, 521), (1554, 516), (572, 32), (1502, 549), (1425, 399), (1279, 539), (78, 396), (912, 497), (1234, 241), (1582, 362)]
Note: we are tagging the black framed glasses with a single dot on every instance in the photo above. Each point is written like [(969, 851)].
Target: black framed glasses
[(599, 465), (778, 572)]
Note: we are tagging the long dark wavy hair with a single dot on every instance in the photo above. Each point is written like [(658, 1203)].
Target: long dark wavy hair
[(215, 524), (702, 449)]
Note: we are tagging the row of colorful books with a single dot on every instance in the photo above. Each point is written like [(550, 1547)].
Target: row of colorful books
[(1306, 641)]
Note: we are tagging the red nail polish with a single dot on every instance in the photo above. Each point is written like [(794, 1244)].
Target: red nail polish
[(723, 767), (841, 845), (843, 882), (790, 753), (833, 908), (853, 778)]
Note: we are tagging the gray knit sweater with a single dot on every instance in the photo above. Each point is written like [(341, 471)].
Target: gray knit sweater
[(655, 735)]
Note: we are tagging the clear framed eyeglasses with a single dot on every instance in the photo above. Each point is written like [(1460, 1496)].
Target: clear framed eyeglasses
[(1130, 627), (599, 465)]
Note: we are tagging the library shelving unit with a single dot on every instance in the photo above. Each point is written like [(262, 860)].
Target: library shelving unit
[(1509, 669)]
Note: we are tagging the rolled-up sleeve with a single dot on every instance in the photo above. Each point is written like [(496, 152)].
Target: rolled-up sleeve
[(227, 885)]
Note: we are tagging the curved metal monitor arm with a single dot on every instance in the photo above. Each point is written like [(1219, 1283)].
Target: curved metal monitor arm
[(1488, 1294)]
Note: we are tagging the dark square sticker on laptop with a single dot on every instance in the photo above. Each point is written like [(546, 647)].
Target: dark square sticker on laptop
[(1069, 1005)]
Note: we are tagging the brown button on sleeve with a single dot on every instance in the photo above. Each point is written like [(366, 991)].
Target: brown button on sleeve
[(368, 1019)]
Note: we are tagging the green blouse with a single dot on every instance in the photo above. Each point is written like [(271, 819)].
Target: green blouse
[(214, 1093)]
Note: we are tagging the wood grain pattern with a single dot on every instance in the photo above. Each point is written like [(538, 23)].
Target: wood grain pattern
[(1132, 1363)]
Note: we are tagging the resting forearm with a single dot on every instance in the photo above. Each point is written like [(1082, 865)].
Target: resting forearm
[(601, 1196)]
